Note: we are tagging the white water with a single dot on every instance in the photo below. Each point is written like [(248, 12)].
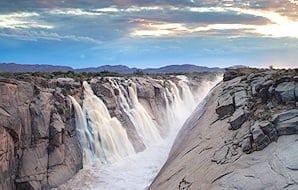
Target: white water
[(136, 171), (109, 140)]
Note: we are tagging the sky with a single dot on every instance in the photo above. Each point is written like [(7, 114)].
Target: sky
[(149, 33)]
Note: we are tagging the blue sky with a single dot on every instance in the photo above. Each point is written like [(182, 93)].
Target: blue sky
[(143, 33)]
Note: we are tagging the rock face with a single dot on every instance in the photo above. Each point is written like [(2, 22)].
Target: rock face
[(38, 147), (246, 137)]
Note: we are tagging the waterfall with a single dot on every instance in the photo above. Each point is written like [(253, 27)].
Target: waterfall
[(109, 141), (104, 138), (142, 121), (144, 124), (136, 171), (84, 135)]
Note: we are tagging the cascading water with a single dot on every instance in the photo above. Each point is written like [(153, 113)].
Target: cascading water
[(144, 124), (84, 135), (106, 139), (109, 141)]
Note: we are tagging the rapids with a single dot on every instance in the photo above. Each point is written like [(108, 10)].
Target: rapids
[(110, 161)]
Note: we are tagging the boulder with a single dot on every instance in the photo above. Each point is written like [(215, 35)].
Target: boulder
[(259, 138), (285, 92), (286, 123), (225, 106), (237, 119), (241, 98), (269, 130), (256, 85)]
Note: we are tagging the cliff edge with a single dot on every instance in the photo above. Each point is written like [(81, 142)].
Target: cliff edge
[(244, 137)]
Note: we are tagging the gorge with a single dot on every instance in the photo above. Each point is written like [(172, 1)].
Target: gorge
[(52, 128)]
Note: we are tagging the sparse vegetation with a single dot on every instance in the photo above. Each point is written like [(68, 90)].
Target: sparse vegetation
[(263, 116), (79, 76)]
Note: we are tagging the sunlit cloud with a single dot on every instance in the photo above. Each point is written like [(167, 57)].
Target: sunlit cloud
[(22, 20), (280, 26)]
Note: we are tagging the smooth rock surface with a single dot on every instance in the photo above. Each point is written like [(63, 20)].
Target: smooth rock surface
[(261, 154)]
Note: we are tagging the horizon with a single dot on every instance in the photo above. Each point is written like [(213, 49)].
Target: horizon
[(149, 34), (135, 67)]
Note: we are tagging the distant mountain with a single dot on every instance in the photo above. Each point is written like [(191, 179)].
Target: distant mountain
[(110, 68), (180, 68), (12, 67)]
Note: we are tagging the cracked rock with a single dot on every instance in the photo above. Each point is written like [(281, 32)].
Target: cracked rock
[(287, 122), (238, 118), (259, 138), (225, 105), (269, 130)]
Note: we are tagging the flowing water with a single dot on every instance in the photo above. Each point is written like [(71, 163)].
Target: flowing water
[(110, 161)]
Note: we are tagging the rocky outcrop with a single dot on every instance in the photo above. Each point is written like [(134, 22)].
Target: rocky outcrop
[(39, 148), (246, 137), (260, 98)]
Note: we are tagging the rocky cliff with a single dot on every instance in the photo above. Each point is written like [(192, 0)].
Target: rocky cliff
[(39, 145), (244, 136)]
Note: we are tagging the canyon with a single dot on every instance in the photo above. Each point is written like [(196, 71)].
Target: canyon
[(201, 131), (52, 128)]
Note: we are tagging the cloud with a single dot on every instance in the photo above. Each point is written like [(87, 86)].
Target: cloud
[(280, 26), (73, 12), (22, 20), (30, 35)]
